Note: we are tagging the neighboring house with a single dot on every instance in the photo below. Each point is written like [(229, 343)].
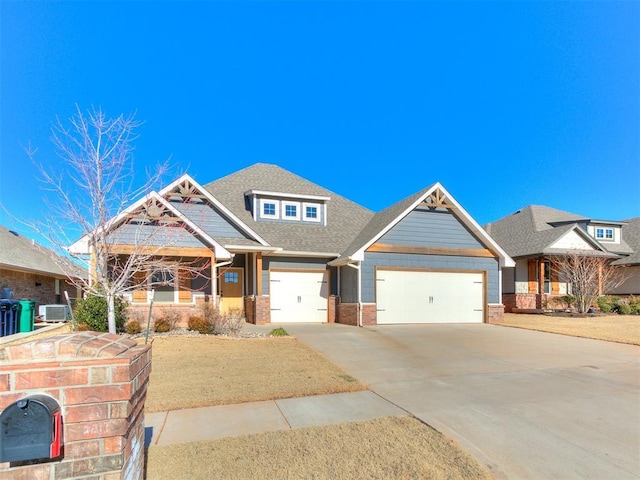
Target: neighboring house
[(534, 235), (30, 271), (284, 249)]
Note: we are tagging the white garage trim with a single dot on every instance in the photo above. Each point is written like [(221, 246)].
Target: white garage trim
[(299, 295), (430, 296)]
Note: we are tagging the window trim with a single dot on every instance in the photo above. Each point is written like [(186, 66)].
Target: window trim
[(288, 203), (266, 201), (601, 234), (317, 206)]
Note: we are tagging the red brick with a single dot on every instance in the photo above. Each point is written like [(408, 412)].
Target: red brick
[(31, 472), (81, 449), (99, 429), (51, 378), (99, 375), (5, 384), (86, 413), (8, 398), (75, 396), (121, 374), (113, 444), (20, 352)]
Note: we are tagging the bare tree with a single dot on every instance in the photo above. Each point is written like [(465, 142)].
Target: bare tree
[(90, 190), (588, 276)]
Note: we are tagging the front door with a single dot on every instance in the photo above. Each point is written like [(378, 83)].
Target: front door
[(231, 294)]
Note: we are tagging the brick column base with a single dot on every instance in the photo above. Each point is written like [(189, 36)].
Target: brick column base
[(100, 382), (495, 314)]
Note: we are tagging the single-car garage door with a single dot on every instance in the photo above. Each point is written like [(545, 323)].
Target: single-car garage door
[(298, 296), (417, 296)]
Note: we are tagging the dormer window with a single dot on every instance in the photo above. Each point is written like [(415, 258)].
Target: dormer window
[(311, 212), (604, 233), (269, 208), (287, 207), (291, 210)]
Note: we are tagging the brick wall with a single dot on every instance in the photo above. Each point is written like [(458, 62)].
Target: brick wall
[(333, 305), (257, 309), (40, 288), (100, 381), (495, 314), (348, 314), (521, 300)]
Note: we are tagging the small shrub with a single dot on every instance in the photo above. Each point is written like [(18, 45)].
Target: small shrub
[(605, 307), (230, 323), (634, 305), (198, 323), (567, 301), (170, 316), (92, 312), (279, 332), (83, 327), (132, 327), (624, 309), (161, 325)]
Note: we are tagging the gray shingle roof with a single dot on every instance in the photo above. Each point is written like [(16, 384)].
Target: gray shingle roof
[(20, 253), (532, 230), (345, 218), (631, 235)]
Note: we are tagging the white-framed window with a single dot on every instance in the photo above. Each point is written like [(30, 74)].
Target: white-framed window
[(311, 212), (604, 233), (290, 210), (269, 208)]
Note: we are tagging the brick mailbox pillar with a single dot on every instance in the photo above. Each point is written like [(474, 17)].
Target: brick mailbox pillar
[(100, 381)]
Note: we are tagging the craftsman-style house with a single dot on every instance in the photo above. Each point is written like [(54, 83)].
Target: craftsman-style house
[(535, 234), (283, 249)]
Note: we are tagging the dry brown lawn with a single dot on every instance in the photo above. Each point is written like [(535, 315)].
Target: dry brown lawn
[(387, 448), (198, 371), (613, 328)]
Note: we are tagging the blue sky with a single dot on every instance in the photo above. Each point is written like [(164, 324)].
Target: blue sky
[(505, 103)]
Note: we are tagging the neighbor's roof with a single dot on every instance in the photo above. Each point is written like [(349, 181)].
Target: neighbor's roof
[(344, 217), (631, 235), (534, 229), (20, 253)]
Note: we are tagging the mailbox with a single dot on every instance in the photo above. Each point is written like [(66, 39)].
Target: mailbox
[(31, 429)]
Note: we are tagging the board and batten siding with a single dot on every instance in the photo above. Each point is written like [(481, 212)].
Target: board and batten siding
[(210, 220), (426, 228), (429, 262), (296, 263), (129, 234)]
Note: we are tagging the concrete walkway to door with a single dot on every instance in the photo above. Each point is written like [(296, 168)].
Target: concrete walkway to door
[(529, 405)]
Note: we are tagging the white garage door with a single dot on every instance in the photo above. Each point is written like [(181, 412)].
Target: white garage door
[(429, 297), (298, 296)]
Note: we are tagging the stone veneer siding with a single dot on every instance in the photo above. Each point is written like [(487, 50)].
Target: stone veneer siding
[(495, 314), (100, 382)]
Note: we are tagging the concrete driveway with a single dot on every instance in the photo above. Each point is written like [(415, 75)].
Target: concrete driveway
[(525, 404)]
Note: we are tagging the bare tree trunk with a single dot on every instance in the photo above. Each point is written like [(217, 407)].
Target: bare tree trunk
[(111, 312)]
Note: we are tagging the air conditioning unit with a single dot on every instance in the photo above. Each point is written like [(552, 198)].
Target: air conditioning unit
[(54, 313)]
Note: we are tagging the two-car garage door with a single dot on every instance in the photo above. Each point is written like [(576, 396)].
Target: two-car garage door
[(298, 296), (417, 296)]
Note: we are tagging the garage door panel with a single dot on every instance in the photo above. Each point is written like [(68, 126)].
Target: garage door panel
[(298, 296), (415, 296)]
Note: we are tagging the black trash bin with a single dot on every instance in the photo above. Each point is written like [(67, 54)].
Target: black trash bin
[(9, 314)]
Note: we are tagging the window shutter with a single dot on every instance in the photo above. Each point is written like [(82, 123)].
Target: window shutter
[(532, 277)]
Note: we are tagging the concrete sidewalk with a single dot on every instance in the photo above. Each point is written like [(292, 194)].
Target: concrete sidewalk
[(210, 423)]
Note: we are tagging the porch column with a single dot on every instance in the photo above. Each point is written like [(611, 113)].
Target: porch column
[(259, 274), (214, 281), (541, 276)]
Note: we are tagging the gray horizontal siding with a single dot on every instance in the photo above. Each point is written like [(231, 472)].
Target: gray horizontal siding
[(210, 220), (373, 260), (348, 285), (293, 263), (154, 236), (431, 229)]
